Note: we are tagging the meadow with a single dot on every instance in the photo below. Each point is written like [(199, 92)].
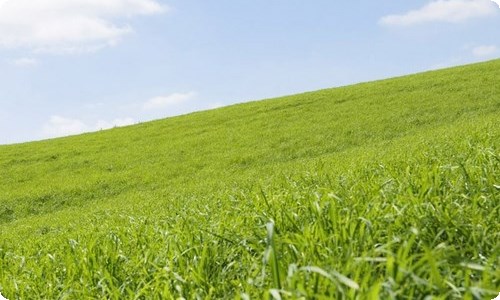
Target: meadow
[(381, 190)]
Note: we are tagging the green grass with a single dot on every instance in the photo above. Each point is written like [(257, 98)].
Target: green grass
[(388, 189)]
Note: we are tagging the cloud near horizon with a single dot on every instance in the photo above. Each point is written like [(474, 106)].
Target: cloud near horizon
[(62, 26), (485, 51), (58, 126), (167, 101), (448, 11)]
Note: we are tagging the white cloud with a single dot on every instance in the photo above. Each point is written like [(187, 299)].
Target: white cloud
[(215, 105), (58, 126), (485, 51), (167, 101), (497, 2), (64, 26), (450, 11), (24, 62), (2, 297), (115, 123)]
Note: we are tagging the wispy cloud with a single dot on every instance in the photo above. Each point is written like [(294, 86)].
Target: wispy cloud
[(59, 126), (115, 123), (485, 51), (168, 101), (497, 2), (215, 105), (63, 26), (24, 62), (449, 11)]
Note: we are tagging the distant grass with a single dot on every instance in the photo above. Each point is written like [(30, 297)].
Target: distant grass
[(389, 189)]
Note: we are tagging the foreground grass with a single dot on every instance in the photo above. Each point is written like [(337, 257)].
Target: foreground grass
[(380, 190)]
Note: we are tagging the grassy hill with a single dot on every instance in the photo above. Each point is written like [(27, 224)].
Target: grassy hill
[(387, 189)]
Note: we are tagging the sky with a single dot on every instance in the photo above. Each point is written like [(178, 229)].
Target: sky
[(73, 66)]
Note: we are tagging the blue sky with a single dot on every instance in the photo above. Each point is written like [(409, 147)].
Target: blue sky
[(68, 67)]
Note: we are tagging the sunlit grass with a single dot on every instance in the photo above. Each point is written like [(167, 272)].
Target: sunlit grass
[(380, 190)]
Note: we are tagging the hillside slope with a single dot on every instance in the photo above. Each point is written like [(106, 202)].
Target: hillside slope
[(387, 188)]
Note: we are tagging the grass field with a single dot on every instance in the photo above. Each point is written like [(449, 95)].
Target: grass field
[(387, 189)]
